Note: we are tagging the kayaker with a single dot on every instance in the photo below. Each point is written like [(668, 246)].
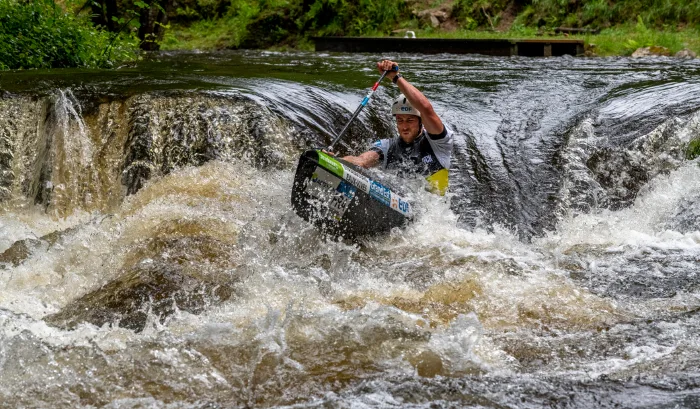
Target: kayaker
[(424, 144)]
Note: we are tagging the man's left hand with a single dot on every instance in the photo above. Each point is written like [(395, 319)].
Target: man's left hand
[(388, 65)]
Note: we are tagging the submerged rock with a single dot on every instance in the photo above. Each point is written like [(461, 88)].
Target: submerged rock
[(622, 171), (23, 249), (150, 288), (187, 274), (693, 150), (687, 216), (18, 252)]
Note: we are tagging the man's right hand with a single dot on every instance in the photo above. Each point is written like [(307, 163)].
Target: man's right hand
[(366, 160)]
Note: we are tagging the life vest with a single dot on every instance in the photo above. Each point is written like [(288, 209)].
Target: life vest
[(428, 155)]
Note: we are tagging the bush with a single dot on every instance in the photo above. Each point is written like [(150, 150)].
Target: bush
[(474, 13), (266, 23), (353, 17), (40, 34), (603, 13)]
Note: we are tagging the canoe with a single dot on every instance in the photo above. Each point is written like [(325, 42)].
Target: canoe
[(340, 200)]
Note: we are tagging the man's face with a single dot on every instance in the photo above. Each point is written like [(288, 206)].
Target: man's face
[(408, 126)]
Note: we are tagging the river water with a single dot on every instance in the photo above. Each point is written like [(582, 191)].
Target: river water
[(149, 256)]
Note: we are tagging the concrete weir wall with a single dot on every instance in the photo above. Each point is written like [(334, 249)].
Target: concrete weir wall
[(500, 47)]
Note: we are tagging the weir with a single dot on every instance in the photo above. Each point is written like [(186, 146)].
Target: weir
[(495, 47)]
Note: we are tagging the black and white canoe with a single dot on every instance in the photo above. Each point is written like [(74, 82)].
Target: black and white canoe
[(341, 201)]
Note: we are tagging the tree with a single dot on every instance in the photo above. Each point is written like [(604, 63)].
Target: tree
[(149, 18)]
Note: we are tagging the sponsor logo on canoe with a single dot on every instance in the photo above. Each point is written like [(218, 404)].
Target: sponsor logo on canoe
[(330, 196), (338, 204), (361, 182), (399, 204), (347, 189), (380, 192), (331, 164), (325, 178)]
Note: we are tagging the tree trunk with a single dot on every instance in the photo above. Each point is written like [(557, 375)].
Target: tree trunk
[(152, 22), (102, 13)]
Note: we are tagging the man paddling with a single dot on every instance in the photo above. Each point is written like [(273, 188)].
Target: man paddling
[(424, 144)]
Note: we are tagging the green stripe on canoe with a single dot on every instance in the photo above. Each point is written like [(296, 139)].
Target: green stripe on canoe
[(331, 164)]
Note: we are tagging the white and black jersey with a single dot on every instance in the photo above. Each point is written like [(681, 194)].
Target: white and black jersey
[(425, 155)]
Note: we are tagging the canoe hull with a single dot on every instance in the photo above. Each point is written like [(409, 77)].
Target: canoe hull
[(340, 200)]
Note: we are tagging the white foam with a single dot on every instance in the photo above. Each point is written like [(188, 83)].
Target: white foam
[(640, 225)]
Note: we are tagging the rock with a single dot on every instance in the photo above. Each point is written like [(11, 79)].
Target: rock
[(651, 51), (440, 15), (693, 149), (620, 173), (590, 50), (21, 250), (18, 252), (188, 273), (685, 54), (158, 288), (687, 216), (434, 21), (428, 364), (435, 16)]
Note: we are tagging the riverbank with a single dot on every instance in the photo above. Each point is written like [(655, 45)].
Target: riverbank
[(616, 41), (106, 33), (617, 29)]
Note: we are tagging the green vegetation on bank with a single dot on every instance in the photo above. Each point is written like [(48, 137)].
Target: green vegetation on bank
[(268, 23), (659, 14), (41, 34), (619, 40), (100, 33), (620, 26)]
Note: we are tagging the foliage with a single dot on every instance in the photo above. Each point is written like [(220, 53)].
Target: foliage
[(623, 40), (266, 23), (229, 31), (603, 13), (40, 34), (476, 13), (348, 17), (626, 24)]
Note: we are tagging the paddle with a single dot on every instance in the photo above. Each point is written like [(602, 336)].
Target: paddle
[(359, 108)]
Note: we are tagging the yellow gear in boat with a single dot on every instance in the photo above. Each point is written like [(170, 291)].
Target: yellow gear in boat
[(439, 181)]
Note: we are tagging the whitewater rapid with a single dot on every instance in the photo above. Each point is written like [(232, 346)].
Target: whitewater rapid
[(149, 256)]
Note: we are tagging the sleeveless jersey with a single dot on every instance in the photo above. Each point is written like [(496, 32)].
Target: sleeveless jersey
[(426, 155)]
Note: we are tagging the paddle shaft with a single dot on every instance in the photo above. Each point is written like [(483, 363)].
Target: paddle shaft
[(357, 111)]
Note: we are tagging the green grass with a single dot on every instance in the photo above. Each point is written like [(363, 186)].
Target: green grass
[(621, 41), (618, 41), (202, 35), (285, 24)]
